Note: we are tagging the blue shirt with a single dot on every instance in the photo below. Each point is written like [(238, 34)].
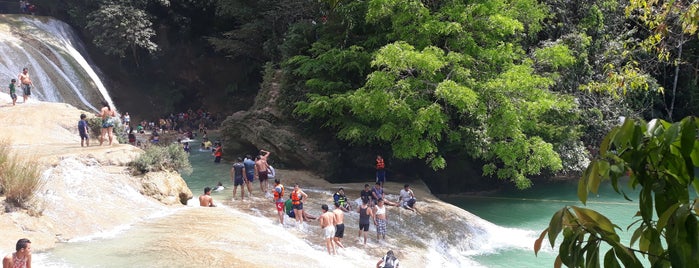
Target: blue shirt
[(82, 125), (249, 166)]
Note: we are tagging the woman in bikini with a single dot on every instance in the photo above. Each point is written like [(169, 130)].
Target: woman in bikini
[(107, 115)]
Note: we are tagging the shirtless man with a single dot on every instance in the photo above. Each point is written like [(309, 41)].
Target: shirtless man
[(22, 257), (327, 223), (339, 225), (107, 115), (26, 84), (206, 200), (261, 168)]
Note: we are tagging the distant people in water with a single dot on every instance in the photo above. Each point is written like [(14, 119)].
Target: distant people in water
[(262, 170), (206, 200), (297, 198), (327, 224), (107, 115), (25, 83), (278, 199), (365, 215), (339, 225), (380, 220), (366, 195), (185, 147), (378, 193), (83, 130), (13, 91), (218, 152), (22, 257), (388, 261), (340, 198), (219, 187), (289, 210), (155, 137), (407, 198), (237, 173)]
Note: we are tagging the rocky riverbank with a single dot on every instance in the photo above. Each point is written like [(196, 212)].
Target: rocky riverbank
[(84, 190)]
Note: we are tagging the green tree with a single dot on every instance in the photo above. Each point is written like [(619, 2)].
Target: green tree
[(661, 159), (117, 28), (457, 80)]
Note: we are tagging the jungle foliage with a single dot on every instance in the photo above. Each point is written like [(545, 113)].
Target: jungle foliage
[(526, 87), (661, 159)]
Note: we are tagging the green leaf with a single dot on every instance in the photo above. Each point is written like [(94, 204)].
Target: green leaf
[(595, 219), (689, 136), (663, 220), (537, 242), (556, 225), (610, 260)]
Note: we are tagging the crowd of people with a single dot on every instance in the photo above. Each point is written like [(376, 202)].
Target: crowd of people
[(373, 207)]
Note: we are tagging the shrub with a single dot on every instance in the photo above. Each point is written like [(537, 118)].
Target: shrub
[(19, 178), (95, 125), (156, 158)]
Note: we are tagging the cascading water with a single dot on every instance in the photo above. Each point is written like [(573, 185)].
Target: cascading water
[(56, 60)]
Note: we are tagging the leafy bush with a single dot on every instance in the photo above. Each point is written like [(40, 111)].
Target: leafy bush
[(95, 125), (156, 158), (19, 178)]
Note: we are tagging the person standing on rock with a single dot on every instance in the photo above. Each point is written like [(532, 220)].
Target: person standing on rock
[(261, 168), (13, 91), (297, 198), (237, 172), (249, 174), (365, 214), (22, 257), (380, 220), (380, 170), (107, 115), (25, 83), (82, 129)]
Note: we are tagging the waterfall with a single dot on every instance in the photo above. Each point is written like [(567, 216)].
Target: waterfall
[(57, 61)]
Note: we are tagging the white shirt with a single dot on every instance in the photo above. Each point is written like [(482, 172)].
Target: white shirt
[(406, 195)]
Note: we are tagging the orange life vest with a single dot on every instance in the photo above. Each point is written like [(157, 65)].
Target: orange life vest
[(380, 164), (278, 195), (295, 198)]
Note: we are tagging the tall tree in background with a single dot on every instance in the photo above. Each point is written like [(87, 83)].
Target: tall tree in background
[(118, 28), (452, 77)]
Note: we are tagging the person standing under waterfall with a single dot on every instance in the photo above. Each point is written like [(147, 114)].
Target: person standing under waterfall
[(26, 84), (327, 224), (22, 257), (380, 220), (107, 115)]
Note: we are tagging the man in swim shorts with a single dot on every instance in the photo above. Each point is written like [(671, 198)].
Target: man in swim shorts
[(25, 83), (261, 168), (339, 225), (237, 172), (327, 223), (249, 174)]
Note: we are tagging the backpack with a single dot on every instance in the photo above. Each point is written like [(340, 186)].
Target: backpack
[(389, 261)]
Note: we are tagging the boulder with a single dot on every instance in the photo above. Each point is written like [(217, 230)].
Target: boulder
[(265, 126), (167, 187)]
